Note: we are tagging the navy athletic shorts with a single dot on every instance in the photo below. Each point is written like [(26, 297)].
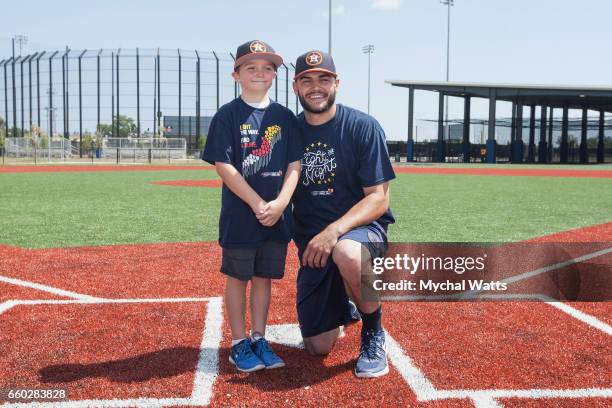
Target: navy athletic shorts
[(268, 261), (322, 302)]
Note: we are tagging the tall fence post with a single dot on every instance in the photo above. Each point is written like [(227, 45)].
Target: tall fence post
[(217, 64), (197, 100), (51, 96), (81, 108)]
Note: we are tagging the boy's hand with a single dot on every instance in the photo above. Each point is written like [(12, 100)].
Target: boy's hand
[(271, 213), (258, 208)]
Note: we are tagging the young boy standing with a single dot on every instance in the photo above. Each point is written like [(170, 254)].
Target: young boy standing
[(256, 149)]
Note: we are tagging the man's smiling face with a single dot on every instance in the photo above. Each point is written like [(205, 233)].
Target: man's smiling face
[(316, 91)]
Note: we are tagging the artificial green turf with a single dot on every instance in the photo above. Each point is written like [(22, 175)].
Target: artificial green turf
[(42, 210)]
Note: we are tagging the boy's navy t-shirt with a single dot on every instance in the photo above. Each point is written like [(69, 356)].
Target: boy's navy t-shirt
[(341, 157), (259, 143)]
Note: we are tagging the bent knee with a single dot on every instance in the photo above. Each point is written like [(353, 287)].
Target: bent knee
[(322, 344), (347, 255)]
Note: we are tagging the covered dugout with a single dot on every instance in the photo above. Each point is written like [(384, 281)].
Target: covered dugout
[(548, 98)]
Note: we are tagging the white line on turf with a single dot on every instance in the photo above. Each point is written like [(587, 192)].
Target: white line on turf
[(416, 380), (583, 317), (286, 334), (529, 394), (208, 364), (473, 294), (4, 306), (45, 288), (559, 265), (110, 301), (206, 370), (485, 401)]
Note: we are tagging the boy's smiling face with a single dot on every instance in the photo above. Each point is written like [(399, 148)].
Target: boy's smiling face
[(255, 76)]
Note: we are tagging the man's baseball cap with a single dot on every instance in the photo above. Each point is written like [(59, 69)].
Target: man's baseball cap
[(256, 50), (314, 61)]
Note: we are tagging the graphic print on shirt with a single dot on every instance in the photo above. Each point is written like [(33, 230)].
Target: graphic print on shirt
[(260, 156), (319, 168)]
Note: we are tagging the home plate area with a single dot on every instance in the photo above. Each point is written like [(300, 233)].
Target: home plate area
[(144, 325)]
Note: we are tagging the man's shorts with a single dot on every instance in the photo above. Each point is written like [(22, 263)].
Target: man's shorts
[(267, 261), (322, 302)]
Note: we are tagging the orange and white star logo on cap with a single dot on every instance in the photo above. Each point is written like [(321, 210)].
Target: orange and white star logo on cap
[(314, 58), (258, 46)]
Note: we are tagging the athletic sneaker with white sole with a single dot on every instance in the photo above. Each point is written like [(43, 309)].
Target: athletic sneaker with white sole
[(242, 356), (372, 361), (264, 352)]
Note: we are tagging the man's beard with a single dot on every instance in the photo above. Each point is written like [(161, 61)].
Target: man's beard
[(331, 99)]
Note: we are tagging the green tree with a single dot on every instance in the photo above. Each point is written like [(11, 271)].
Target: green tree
[(2, 127), (202, 142), (127, 127)]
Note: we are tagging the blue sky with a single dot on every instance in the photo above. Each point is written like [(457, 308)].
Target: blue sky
[(518, 41)]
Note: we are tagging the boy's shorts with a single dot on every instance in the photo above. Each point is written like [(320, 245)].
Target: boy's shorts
[(267, 261), (322, 302)]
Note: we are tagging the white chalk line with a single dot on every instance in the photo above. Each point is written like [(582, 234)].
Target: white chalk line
[(424, 390), (45, 288), (207, 368)]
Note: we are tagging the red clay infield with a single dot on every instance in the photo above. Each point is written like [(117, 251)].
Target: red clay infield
[(148, 349)]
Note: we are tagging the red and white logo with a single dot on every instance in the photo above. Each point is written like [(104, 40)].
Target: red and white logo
[(258, 46), (314, 58)]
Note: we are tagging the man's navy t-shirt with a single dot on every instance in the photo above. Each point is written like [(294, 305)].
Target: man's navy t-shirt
[(341, 157), (259, 143)]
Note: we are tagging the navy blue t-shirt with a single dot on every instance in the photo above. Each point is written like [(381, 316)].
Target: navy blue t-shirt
[(341, 157), (259, 143)]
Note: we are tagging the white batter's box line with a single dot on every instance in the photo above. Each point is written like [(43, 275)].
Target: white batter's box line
[(111, 301), (535, 393), (424, 389), (45, 288), (206, 370)]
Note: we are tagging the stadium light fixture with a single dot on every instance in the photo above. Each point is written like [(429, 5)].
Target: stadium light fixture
[(368, 49), (21, 40)]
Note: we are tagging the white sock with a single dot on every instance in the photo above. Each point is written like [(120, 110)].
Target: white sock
[(234, 342), (256, 336)]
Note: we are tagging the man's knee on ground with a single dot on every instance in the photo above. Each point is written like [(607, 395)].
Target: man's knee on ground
[(321, 344)]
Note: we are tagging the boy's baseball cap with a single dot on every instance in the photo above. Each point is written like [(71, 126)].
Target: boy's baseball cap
[(312, 61), (256, 50)]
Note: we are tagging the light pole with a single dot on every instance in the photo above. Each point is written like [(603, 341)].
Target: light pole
[(448, 4), (21, 39), (330, 27), (368, 49)]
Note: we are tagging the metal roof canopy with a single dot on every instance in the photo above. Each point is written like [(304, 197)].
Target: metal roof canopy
[(558, 96), (548, 97)]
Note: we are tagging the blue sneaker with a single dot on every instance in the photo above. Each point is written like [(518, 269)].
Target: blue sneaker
[(243, 358), (264, 352), (372, 360)]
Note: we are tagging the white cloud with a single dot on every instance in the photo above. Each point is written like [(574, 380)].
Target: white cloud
[(386, 4)]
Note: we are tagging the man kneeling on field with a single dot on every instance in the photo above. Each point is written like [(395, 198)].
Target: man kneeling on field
[(341, 206)]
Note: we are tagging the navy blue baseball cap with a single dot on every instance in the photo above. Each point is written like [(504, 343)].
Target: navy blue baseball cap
[(314, 61), (256, 50)]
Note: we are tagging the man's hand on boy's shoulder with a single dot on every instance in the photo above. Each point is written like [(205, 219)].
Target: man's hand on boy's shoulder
[(272, 211)]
